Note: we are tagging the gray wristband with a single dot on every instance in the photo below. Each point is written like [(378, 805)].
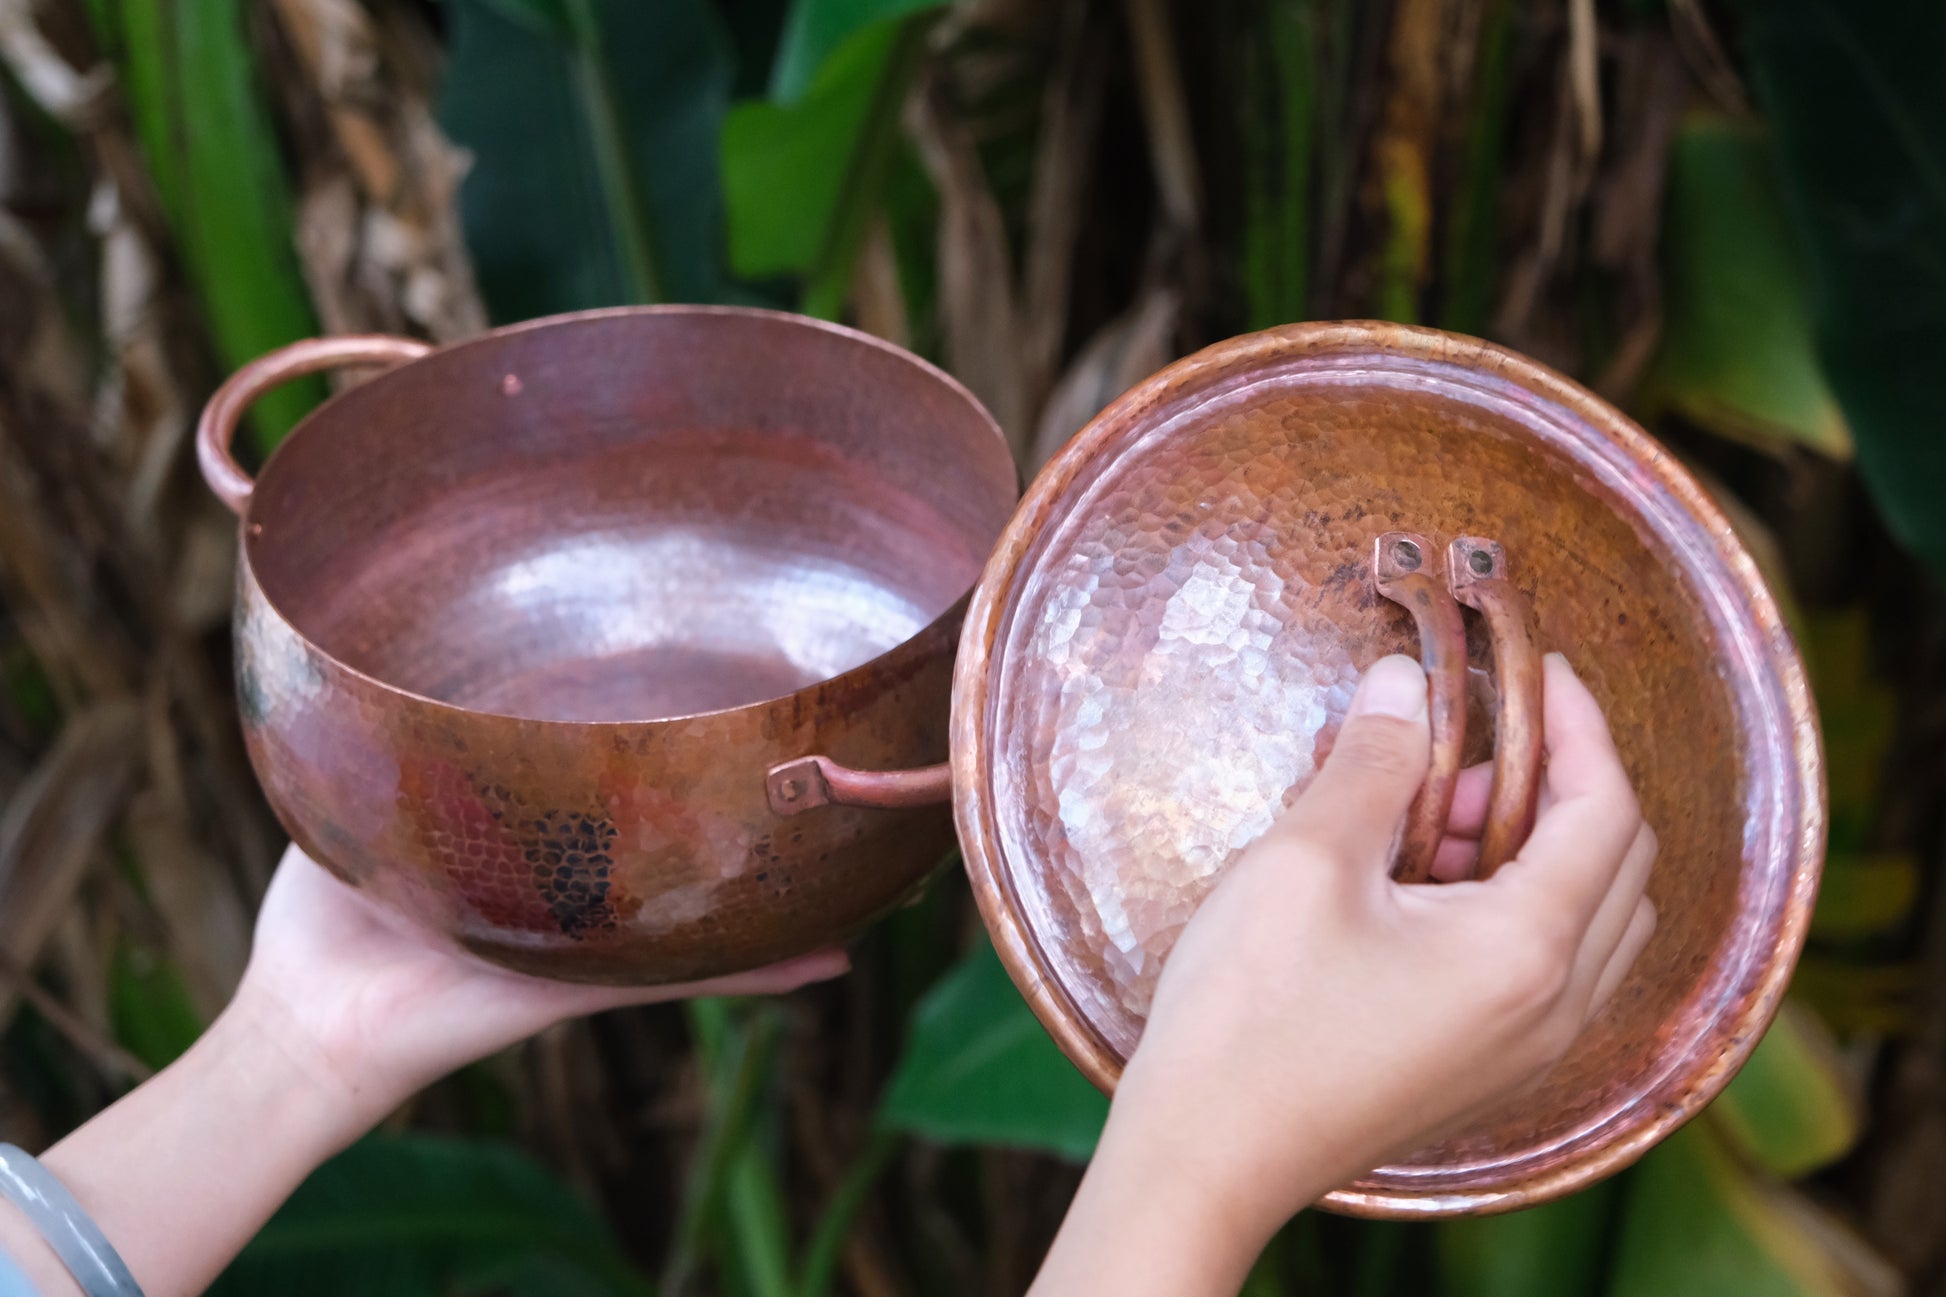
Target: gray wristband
[(76, 1239)]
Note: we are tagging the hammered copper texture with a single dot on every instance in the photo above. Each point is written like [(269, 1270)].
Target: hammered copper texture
[(522, 624), (1162, 649)]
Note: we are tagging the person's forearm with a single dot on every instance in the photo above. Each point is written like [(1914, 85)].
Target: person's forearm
[(182, 1171), (1150, 1223)]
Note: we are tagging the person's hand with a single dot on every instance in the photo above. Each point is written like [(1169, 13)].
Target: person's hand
[(383, 1010), (1316, 1017)]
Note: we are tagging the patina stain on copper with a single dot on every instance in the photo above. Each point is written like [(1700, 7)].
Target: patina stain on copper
[(1161, 650), (522, 622)]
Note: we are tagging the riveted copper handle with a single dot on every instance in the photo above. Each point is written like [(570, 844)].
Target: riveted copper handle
[(800, 784), (1402, 561), (1476, 568), (217, 428)]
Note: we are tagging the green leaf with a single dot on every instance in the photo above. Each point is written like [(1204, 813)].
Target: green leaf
[(1737, 354), (149, 1006), (817, 29), (1697, 1222), (1858, 109), (979, 1069), (1275, 122), (783, 167), (1472, 243), (211, 146), (1791, 1109), (802, 182), (417, 1215), (1558, 1247), (1865, 894), (1858, 713), (546, 16), (594, 180)]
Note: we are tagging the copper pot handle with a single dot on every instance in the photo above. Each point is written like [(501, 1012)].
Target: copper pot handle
[(804, 782), (1402, 562), (1475, 576), (217, 427), (1476, 568)]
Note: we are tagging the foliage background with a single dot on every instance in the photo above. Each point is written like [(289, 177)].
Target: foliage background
[(1728, 216)]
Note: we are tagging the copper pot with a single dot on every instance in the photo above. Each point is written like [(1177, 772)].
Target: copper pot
[(1163, 646), (1156, 657), (521, 622)]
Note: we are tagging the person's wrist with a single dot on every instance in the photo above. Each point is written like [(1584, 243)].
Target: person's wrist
[(342, 1096), (1156, 1213)]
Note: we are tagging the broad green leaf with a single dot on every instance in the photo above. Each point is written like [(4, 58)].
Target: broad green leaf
[(1558, 1247), (192, 90), (979, 1069), (1472, 241), (1858, 713), (783, 167), (1277, 62), (414, 1216), (1792, 1108), (594, 179), (1737, 354), (149, 1006), (816, 29), (1857, 998), (802, 182), (1698, 1222), (1857, 105), (546, 16), (1865, 894)]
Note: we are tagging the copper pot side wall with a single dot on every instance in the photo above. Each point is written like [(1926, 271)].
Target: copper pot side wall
[(522, 624)]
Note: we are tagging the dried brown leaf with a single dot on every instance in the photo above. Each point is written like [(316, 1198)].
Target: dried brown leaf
[(1703, 50), (207, 930), (1626, 200), (877, 297), (1165, 111), (1399, 197), (54, 829), (94, 1043), (1071, 122), (71, 95), (1125, 351), (978, 317), (378, 228)]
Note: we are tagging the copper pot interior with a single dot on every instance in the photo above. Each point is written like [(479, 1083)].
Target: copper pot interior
[(630, 517), (1177, 647)]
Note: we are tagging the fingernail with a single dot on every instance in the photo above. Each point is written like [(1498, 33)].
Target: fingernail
[(1394, 686)]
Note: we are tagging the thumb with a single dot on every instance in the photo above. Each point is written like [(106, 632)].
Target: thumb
[(1353, 808)]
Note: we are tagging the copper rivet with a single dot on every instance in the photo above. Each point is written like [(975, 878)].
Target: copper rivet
[(1406, 555), (510, 385)]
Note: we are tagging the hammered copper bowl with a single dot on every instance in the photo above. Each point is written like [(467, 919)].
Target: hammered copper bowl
[(1162, 648), (522, 622)]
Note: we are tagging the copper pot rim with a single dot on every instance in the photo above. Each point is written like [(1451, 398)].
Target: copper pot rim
[(1602, 1147), (919, 642)]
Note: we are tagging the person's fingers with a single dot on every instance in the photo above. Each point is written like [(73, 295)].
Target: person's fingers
[(772, 979), (1354, 805), (1590, 815), (1635, 938), (1617, 910), (1468, 818), (1455, 860)]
